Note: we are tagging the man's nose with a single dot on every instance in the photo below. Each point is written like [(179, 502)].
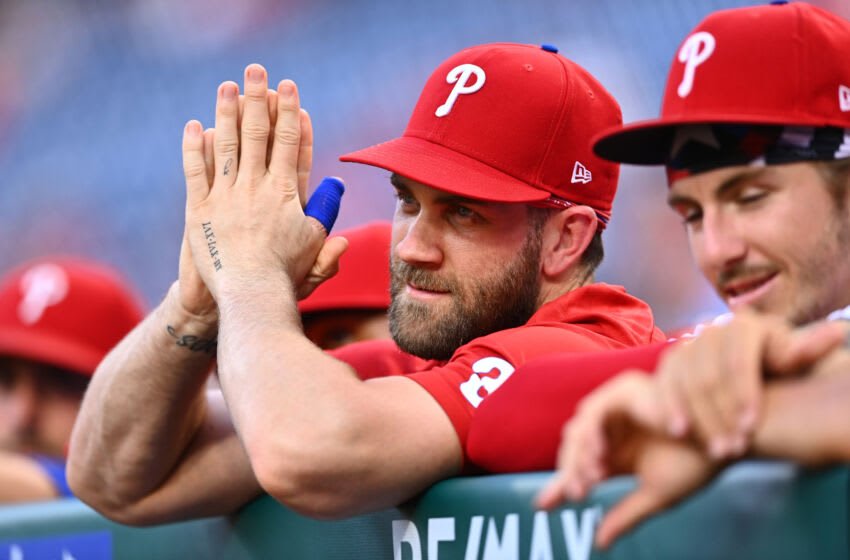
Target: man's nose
[(419, 242), (718, 245)]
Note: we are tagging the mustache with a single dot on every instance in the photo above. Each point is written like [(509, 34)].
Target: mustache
[(737, 272), (404, 273)]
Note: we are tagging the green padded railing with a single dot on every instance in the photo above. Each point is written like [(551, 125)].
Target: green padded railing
[(754, 510)]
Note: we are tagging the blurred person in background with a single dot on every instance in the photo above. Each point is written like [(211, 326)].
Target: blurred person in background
[(496, 237), (58, 318), (755, 135), (352, 305)]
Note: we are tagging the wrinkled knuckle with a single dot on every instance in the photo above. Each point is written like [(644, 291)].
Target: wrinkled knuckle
[(194, 170), (287, 136), (256, 132), (226, 146)]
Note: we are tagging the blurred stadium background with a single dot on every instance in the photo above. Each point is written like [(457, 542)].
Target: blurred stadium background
[(95, 95)]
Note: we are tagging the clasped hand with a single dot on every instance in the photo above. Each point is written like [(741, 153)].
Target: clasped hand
[(246, 186)]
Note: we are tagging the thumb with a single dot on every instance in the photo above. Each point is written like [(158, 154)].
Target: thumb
[(323, 205), (325, 266)]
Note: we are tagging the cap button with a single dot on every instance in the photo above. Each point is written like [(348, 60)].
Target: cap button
[(778, 2), (549, 48)]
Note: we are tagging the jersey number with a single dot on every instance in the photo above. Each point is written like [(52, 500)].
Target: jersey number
[(473, 388)]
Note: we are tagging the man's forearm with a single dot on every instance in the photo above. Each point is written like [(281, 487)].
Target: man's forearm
[(143, 406)]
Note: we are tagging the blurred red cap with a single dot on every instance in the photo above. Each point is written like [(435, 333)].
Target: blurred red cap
[(363, 280), (65, 312), (779, 64)]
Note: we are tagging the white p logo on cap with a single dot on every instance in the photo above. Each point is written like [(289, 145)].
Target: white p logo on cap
[(43, 285), (695, 50), (459, 76)]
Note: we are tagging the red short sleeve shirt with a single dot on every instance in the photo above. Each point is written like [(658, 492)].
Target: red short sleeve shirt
[(594, 317)]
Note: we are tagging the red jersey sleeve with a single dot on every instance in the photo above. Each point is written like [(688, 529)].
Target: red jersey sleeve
[(479, 368), (519, 428)]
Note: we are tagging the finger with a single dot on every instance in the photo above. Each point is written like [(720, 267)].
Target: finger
[(241, 111), (739, 404), (561, 486), (197, 187), (804, 347), (271, 98), (255, 122), (209, 158), (671, 405), (226, 147), (323, 205), (305, 155), (552, 494), (704, 416), (631, 510), (283, 166), (325, 267)]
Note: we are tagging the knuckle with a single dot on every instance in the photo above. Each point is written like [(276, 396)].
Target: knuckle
[(194, 169), (225, 145), (257, 132), (287, 136)]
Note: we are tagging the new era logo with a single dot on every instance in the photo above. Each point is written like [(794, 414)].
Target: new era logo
[(581, 174), (844, 98)]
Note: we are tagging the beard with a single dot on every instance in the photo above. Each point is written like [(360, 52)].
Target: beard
[(505, 299)]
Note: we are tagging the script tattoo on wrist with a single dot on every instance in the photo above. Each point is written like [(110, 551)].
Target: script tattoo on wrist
[(227, 165), (193, 343), (211, 244)]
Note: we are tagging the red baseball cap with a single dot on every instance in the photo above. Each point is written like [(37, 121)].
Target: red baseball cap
[(65, 312), (779, 64), (363, 280), (507, 123)]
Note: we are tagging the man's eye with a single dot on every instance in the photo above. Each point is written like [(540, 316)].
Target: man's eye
[(405, 200), (751, 194), (464, 212), (689, 214)]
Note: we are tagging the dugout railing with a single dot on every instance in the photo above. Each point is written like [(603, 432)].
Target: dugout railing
[(753, 510)]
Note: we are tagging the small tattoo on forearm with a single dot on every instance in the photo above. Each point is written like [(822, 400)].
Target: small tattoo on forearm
[(227, 165), (194, 343), (211, 244)]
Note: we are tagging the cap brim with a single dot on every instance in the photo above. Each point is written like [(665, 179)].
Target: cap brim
[(649, 142), (47, 349), (444, 169)]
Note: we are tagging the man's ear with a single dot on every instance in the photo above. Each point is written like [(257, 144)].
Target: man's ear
[(565, 238)]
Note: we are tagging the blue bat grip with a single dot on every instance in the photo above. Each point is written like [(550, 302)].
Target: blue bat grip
[(324, 203)]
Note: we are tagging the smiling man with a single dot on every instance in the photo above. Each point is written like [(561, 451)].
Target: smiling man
[(755, 136), (496, 235)]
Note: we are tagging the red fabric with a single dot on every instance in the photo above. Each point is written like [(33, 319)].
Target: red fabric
[(518, 428), (518, 131), (363, 280), (595, 317)]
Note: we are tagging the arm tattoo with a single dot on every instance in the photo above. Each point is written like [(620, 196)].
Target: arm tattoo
[(211, 244), (194, 343), (227, 165)]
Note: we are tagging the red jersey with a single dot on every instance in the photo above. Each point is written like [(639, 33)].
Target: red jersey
[(590, 318), (519, 429)]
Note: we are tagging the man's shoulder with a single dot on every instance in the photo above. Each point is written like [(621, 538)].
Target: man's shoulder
[(594, 317)]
